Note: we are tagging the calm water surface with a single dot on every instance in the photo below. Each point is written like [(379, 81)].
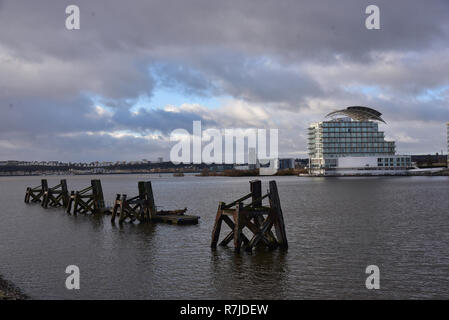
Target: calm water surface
[(335, 227)]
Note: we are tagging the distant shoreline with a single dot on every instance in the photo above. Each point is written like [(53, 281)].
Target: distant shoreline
[(242, 173), (9, 291)]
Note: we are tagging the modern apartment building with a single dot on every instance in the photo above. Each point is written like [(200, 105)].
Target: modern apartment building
[(350, 143)]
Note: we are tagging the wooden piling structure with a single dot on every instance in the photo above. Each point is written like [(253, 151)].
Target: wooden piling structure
[(256, 217), (36, 194), (142, 208), (91, 200), (57, 196), (88, 200)]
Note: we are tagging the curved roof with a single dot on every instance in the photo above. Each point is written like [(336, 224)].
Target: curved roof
[(359, 113)]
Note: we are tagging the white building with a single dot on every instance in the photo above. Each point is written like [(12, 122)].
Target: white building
[(352, 145)]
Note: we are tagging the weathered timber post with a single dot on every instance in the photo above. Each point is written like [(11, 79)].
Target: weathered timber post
[(259, 219), (27, 195), (116, 207), (279, 225), (44, 187), (64, 193), (217, 225), (45, 199), (98, 199), (140, 207), (76, 202), (88, 200), (36, 194), (124, 212), (238, 226), (146, 194), (143, 208), (58, 196), (71, 199), (256, 192)]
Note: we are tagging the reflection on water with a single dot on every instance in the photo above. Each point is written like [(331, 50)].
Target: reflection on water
[(335, 227)]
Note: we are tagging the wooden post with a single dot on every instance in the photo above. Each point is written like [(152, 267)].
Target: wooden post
[(123, 205), (65, 193), (91, 200), (256, 191), (88, 200), (36, 194), (116, 207), (146, 192), (98, 198), (217, 225), (56, 196), (143, 208), (143, 197), (238, 221), (44, 184), (259, 219), (27, 195), (45, 199), (71, 199), (279, 225), (44, 192), (230, 236), (76, 202)]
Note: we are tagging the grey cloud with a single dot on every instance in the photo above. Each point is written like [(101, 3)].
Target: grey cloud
[(146, 121), (82, 147), (186, 79), (110, 53), (47, 116), (256, 51), (291, 28)]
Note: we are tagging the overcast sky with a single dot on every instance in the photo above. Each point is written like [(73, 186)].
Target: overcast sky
[(136, 70)]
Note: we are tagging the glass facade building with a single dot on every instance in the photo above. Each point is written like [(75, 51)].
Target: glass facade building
[(359, 141)]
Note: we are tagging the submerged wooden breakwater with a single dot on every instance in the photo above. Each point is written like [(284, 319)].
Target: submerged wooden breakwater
[(90, 200), (256, 217), (142, 208), (58, 196), (36, 194)]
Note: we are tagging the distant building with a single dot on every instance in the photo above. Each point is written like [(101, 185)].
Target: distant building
[(241, 167), (301, 163), (353, 144), (288, 163), (160, 159), (429, 160)]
